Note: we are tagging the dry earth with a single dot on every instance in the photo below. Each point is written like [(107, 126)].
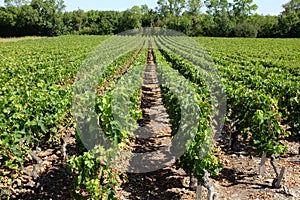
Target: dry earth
[(15, 39)]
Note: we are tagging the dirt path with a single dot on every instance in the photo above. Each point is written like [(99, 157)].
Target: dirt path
[(15, 39), (153, 140)]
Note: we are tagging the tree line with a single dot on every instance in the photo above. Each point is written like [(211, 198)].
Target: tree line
[(221, 18)]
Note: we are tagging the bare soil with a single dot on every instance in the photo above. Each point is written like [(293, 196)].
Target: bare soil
[(240, 178), (15, 39)]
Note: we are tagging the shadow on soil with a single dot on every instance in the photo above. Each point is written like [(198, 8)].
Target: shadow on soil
[(56, 184), (153, 185)]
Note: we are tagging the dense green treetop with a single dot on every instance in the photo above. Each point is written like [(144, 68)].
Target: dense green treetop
[(219, 18)]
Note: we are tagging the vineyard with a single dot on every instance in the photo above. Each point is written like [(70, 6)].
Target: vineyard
[(196, 117)]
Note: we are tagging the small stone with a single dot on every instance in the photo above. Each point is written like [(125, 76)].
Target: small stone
[(45, 153), (5, 173), (53, 157), (269, 180), (260, 176), (47, 163), (38, 149), (19, 182), (27, 177)]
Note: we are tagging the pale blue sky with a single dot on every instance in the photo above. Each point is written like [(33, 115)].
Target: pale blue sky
[(265, 7)]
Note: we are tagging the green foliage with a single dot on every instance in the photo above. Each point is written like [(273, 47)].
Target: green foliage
[(36, 17), (222, 18), (242, 9), (199, 156), (94, 178), (131, 18), (257, 117), (264, 67), (36, 92), (173, 107), (261, 78), (244, 30), (289, 20), (267, 26), (247, 93), (194, 7), (15, 2)]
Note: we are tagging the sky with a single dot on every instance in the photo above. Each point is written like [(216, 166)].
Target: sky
[(265, 7), (272, 7)]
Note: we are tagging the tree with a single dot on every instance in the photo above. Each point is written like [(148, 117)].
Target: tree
[(111, 19), (74, 21), (27, 21), (149, 16), (16, 2), (194, 7), (146, 20), (242, 9), (18, 21), (212, 7), (50, 16), (289, 20), (60, 6), (185, 24), (245, 30), (170, 7), (191, 17), (131, 18), (8, 17), (178, 7), (293, 5), (217, 7), (162, 8), (218, 14), (267, 26)]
